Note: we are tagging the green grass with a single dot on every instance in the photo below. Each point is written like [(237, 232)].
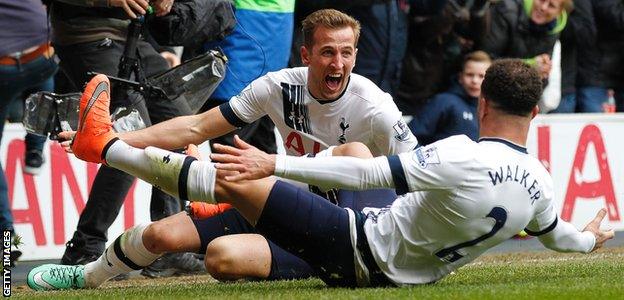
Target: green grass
[(537, 275)]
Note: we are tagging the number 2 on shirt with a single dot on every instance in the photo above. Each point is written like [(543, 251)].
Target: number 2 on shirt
[(450, 254)]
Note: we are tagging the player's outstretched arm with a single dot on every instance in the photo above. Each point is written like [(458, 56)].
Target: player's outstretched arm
[(325, 172), (174, 133), (566, 238)]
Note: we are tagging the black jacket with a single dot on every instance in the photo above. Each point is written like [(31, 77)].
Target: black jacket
[(192, 23), (435, 49), (580, 56), (383, 36), (513, 34), (609, 16)]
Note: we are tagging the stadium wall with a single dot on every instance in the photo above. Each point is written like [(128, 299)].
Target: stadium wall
[(583, 152)]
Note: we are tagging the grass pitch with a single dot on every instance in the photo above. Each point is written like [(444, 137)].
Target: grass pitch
[(535, 275)]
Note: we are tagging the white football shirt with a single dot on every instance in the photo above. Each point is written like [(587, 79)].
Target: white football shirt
[(363, 113), (467, 197), (460, 198)]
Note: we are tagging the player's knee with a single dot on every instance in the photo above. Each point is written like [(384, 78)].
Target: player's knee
[(355, 149), (220, 261), (159, 238)]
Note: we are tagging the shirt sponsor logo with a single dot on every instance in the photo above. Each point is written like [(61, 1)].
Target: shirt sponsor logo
[(425, 156), (295, 111)]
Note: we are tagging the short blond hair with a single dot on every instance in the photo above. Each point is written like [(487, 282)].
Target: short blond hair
[(476, 56), (329, 18)]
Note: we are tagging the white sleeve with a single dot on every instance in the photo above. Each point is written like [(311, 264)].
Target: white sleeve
[(425, 168), (566, 238), (553, 232), (390, 133), (336, 171), (249, 104)]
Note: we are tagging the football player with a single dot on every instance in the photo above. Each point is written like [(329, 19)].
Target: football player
[(314, 108), (459, 197)]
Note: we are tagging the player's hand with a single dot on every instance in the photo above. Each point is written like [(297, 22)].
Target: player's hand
[(249, 161), (65, 138), (594, 227), (131, 7), (162, 7), (544, 65), (193, 151)]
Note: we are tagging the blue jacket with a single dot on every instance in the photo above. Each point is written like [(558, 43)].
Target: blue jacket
[(446, 114), (260, 43)]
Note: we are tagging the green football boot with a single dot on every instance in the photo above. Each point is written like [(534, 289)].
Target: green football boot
[(56, 277)]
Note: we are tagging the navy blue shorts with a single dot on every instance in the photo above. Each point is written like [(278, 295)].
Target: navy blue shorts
[(314, 229), (285, 265), (357, 200)]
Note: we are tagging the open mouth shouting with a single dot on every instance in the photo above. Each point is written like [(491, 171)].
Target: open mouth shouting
[(333, 82)]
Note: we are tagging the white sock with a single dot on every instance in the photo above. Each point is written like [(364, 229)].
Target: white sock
[(109, 264), (125, 157), (201, 181), (164, 169)]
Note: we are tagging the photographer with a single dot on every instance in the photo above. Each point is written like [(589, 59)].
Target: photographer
[(90, 37)]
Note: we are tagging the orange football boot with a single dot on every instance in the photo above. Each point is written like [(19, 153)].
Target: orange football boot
[(95, 131)]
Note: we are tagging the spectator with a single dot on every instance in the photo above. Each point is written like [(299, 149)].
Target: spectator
[(610, 23), (260, 43), (435, 48), (454, 111), (90, 36), (581, 89), (383, 37), (25, 66), (526, 29)]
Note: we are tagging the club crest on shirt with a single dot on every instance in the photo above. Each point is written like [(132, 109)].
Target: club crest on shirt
[(343, 126), (425, 156), (402, 131)]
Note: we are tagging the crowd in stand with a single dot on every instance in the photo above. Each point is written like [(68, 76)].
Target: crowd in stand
[(588, 33), (431, 56), (417, 53)]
